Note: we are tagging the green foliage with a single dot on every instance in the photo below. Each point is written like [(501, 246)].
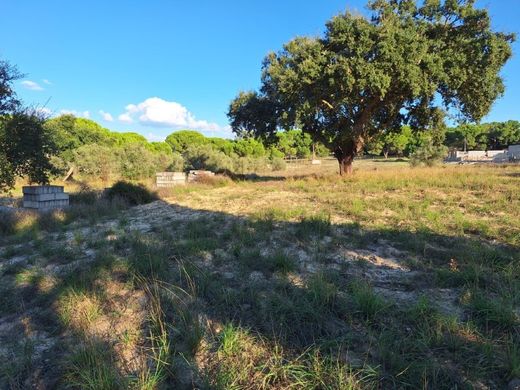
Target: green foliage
[(177, 163), (182, 139), (96, 161), (159, 147), (294, 143), (206, 157), (225, 146), (243, 165), (133, 194), (132, 161), (127, 138), (70, 133), (278, 164), (137, 162), (26, 148), (253, 115), (495, 135), (249, 147), (92, 367), (8, 99), (368, 75), (428, 153)]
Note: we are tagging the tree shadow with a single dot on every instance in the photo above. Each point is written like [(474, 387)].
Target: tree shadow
[(294, 284)]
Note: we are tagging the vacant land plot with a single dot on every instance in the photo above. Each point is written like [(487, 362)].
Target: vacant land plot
[(393, 278)]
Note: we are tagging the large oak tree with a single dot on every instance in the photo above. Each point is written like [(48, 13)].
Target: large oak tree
[(407, 64)]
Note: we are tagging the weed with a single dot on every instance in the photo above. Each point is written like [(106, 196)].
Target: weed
[(317, 225), (366, 303), (492, 313), (93, 367)]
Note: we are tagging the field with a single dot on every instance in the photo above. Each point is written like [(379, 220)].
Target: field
[(392, 278)]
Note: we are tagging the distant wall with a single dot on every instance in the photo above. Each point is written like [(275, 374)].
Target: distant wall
[(478, 155), (513, 152)]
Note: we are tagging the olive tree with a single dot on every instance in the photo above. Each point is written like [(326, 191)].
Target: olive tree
[(407, 64)]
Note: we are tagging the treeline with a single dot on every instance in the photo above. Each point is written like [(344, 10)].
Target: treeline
[(98, 152), (486, 136)]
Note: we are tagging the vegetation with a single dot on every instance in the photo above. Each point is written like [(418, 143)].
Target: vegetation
[(366, 77), (132, 194), (486, 136), (411, 283), (25, 145), (392, 278)]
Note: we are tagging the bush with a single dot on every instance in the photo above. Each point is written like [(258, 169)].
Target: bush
[(85, 195), (428, 154), (207, 158), (96, 161), (7, 223), (243, 165), (137, 162), (278, 164), (133, 194), (177, 163)]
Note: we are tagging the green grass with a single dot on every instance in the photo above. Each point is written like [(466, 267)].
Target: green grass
[(366, 303), (92, 367), (255, 285)]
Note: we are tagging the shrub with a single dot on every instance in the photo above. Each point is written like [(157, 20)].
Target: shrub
[(7, 223), (134, 194), (244, 165), (137, 162), (278, 164), (96, 161), (205, 157), (177, 163), (428, 154)]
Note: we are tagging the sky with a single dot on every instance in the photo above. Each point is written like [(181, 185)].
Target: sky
[(157, 66)]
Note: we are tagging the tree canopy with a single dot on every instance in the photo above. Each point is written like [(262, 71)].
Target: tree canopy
[(180, 140), (25, 149), (495, 135), (8, 100), (407, 64), (26, 146)]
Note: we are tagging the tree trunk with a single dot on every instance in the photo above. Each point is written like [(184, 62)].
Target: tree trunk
[(345, 156), (345, 165)]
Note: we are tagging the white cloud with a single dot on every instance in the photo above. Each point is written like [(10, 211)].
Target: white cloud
[(126, 118), (45, 81), (158, 112), (106, 116), (32, 85), (83, 114)]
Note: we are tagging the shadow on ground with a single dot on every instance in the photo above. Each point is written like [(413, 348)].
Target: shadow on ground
[(399, 309)]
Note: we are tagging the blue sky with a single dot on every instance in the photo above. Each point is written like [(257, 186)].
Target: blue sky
[(156, 66)]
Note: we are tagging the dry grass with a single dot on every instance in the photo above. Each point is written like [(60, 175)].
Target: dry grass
[(391, 278)]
